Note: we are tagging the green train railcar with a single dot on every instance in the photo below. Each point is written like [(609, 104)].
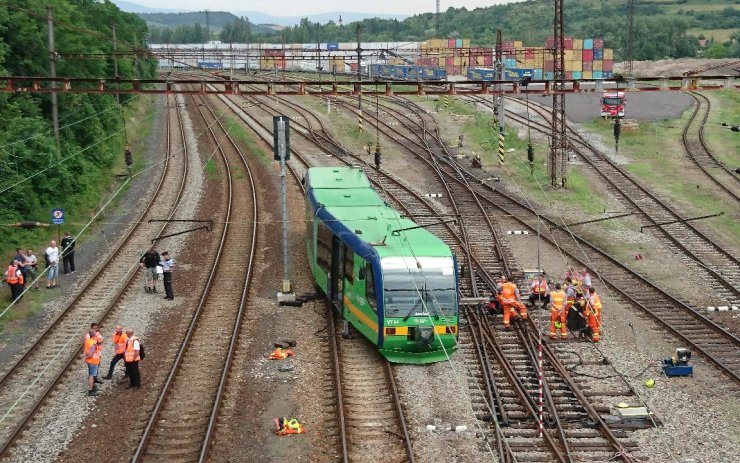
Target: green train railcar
[(394, 282)]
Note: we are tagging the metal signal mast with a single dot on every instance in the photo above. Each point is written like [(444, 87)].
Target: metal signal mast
[(630, 35), (437, 20), (558, 160)]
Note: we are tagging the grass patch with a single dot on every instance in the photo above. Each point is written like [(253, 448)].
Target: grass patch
[(211, 169), (31, 305), (656, 158), (719, 35), (246, 139), (724, 144)]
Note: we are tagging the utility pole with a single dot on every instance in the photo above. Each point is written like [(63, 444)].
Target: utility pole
[(558, 164), (53, 72), (208, 26), (359, 66), (318, 52), (115, 60), (498, 107), (136, 57), (437, 21), (630, 36)]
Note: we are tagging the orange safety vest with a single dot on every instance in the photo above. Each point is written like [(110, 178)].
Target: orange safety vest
[(557, 298), (120, 341), (95, 358), (596, 303), (11, 276), (131, 355), (508, 292), (540, 287)]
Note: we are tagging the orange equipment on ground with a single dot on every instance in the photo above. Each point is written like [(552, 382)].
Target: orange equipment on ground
[(279, 354), (558, 314), (509, 303), (285, 426)]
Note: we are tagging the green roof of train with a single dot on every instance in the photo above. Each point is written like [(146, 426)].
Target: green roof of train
[(348, 195)]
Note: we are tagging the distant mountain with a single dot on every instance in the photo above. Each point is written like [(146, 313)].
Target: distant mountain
[(255, 17), (130, 7)]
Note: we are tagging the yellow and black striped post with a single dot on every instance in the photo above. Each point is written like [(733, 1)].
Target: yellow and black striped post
[(501, 144), (359, 121), (447, 102)]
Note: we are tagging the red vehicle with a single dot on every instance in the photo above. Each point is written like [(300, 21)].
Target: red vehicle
[(612, 104)]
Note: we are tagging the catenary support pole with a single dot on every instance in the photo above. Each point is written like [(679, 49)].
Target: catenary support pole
[(53, 72), (115, 60)]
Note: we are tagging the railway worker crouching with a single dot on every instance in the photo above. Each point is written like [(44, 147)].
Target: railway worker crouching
[(93, 348), (510, 302), (119, 341), (558, 313), (540, 293), (131, 358)]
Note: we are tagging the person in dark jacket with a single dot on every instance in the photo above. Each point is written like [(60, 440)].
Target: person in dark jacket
[(68, 253), (149, 262)]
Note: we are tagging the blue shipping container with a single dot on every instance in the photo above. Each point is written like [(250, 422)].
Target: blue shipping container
[(608, 74), (549, 75), (598, 74), (209, 64), (440, 73), (537, 74), (510, 62), (458, 43), (588, 44), (598, 55), (332, 46), (577, 75)]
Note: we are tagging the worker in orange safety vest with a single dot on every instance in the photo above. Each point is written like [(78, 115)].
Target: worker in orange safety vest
[(285, 426), (92, 349), (119, 340), (98, 337), (131, 358), (14, 278), (510, 301), (539, 292), (594, 314), (558, 313)]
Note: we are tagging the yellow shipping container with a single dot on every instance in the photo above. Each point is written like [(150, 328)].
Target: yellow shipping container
[(578, 55), (530, 63), (568, 65), (518, 44), (588, 75), (459, 61), (466, 43), (608, 53), (437, 43), (598, 65), (520, 55), (442, 62), (570, 55), (577, 44)]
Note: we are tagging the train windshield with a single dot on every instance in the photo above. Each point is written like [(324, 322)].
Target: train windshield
[(429, 289), (612, 101)]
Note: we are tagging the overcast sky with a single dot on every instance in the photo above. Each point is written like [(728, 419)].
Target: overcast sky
[(299, 7)]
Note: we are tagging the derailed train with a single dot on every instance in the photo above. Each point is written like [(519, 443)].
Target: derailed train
[(394, 282)]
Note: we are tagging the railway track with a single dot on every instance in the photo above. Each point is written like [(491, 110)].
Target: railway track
[(30, 380), (699, 152), (718, 268), (181, 423), (593, 442), (685, 322)]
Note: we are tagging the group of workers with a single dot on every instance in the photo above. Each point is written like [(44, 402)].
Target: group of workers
[(24, 267), (573, 305), (128, 349)]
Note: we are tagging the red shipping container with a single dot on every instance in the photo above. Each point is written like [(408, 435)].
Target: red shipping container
[(450, 61), (549, 65), (568, 74), (487, 60), (529, 54), (588, 65), (608, 65), (588, 55), (550, 42), (568, 43), (598, 44), (450, 43)]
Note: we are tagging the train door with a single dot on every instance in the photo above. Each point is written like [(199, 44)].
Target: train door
[(337, 274)]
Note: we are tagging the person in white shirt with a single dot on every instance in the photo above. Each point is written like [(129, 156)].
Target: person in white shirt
[(52, 259)]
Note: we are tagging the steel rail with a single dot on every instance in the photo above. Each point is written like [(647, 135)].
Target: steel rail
[(702, 102), (109, 308), (148, 430)]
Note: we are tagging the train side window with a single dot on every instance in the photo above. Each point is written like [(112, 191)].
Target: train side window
[(323, 247), (349, 265), (370, 287)]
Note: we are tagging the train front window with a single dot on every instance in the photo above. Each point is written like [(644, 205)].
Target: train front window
[(410, 291), (612, 101)]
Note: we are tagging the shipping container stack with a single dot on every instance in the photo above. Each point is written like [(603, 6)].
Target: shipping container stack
[(454, 55)]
